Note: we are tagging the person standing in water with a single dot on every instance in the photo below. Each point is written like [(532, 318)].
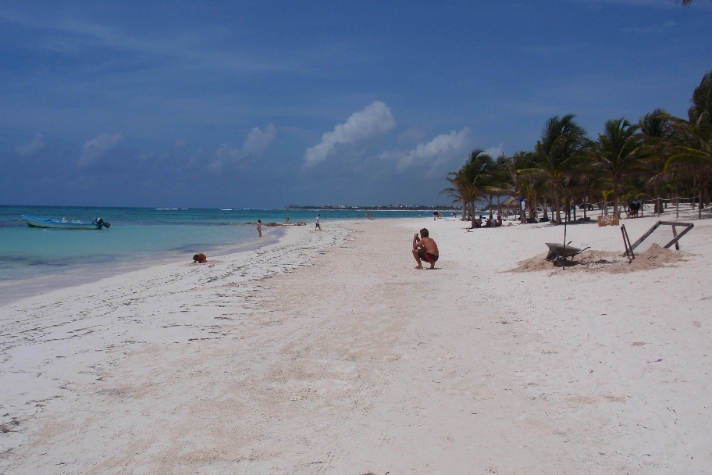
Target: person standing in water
[(259, 227)]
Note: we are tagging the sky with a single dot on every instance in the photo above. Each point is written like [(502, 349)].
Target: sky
[(269, 103)]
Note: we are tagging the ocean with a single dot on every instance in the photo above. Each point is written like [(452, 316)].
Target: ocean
[(33, 260)]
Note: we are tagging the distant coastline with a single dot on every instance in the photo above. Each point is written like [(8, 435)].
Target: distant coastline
[(378, 207)]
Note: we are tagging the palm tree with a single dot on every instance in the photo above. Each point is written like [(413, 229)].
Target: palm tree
[(480, 168), (458, 192), (471, 180), (521, 184), (559, 150), (497, 182), (692, 149), (654, 151), (616, 154)]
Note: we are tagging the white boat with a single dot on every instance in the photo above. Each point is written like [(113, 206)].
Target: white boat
[(35, 222)]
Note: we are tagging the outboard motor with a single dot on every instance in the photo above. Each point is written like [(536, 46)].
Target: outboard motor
[(100, 222)]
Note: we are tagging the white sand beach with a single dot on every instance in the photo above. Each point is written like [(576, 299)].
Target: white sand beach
[(328, 353)]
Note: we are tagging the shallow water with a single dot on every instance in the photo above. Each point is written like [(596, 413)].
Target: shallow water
[(33, 260)]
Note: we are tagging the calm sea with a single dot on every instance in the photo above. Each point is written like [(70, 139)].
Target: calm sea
[(33, 260)]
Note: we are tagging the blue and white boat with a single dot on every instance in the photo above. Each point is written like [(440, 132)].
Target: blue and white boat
[(35, 222)]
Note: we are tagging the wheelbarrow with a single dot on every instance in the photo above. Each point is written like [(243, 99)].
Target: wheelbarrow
[(562, 252)]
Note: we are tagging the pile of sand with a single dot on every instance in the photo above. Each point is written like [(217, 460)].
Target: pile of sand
[(656, 256)]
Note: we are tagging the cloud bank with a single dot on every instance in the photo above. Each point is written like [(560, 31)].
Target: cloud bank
[(362, 127)]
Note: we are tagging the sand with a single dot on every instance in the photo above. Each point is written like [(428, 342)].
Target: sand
[(327, 353)]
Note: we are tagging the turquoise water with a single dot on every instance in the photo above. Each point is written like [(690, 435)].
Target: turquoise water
[(36, 259)]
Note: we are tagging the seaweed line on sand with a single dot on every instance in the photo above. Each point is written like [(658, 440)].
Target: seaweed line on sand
[(602, 261)]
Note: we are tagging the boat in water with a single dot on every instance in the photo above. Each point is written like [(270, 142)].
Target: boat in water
[(35, 222)]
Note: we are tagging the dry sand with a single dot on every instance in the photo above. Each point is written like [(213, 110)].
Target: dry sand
[(329, 354)]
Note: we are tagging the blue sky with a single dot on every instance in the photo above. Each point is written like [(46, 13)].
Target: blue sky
[(263, 104)]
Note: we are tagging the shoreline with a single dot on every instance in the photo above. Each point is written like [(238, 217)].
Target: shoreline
[(329, 353), (15, 290)]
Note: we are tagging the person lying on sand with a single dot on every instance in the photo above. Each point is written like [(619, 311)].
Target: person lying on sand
[(425, 249)]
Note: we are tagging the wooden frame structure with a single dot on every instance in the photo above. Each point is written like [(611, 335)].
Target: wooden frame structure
[(626, 243), (675, 240)]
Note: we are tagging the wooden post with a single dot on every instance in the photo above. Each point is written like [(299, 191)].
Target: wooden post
[(678, 237), (674, 234), (626, 243), (644, 236)]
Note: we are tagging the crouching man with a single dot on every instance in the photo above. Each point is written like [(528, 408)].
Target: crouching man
[(425, 249)]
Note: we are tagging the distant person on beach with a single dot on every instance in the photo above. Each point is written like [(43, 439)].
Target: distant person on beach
[(286, 216), (259, 227), (368, 215), (316, 223), (425, 249)]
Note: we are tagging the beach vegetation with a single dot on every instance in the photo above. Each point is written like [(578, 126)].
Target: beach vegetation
[(658, 157)]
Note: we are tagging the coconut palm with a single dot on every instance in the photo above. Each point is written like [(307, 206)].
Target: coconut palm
[(458, 192), (654, 151), (480, 168), (521, 184), (560, 149), (497, 182), (616, 154), (471, 180), (692, 149)]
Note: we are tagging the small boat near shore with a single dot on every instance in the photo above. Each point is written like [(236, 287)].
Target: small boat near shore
[(35, 222)]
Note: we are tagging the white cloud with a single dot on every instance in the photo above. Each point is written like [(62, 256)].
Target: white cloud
[(440, 150), (412, 135), (36, 145), (256, 143), (93, 149), (258, 140), (495, 152), (362, 127), (224, 151)]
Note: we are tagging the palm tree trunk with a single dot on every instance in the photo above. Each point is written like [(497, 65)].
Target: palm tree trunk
[(585, 207), (703, 187), (557, 207)]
